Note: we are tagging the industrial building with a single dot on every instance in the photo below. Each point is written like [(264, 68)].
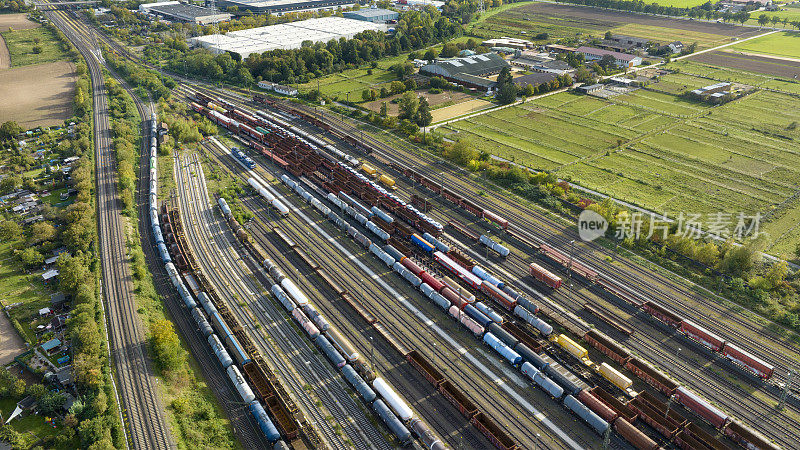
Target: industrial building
[(517, 44), (542, 62), (620, 59), (535, 79), (284, 36), (376, 15), (419, 4), (470, 71), (181, 12), (281, 7)]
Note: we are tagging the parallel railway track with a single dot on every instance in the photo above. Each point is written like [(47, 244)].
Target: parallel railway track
[(407, 332), (143, 414), (285, 339)]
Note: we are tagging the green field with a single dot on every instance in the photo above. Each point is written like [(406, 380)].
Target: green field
[(778, 44), (789, 12), (21, 45), (676, 155), (525, 21), (355, 81)]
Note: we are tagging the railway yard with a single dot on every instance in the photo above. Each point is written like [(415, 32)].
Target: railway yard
[(380, 297), (590, 297)]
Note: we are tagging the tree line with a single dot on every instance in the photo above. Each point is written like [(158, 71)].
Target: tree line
[(705, 10), (414, 30)]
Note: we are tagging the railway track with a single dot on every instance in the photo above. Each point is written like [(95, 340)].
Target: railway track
[(307, 369), (710, 383), (143, 412), (644, 281), (334, 311), (408, 331)]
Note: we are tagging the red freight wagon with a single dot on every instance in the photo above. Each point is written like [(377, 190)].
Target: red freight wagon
[(454, 298), (411, 265), (545, 276), (651, 376), (431, 281), (492, 217), (739, 356), (499, 296), (607, 346), (635, 437), (662, 314), (600, 408), (702, 335), (472, 207), (748, 438), (701, 407)]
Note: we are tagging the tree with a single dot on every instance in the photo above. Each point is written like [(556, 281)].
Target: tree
[(461, 152), (30, 257), (36, 390), (506, 89), (10, 230), (609, 35), (51, 403), (608, 62), (424, 117), (763, 19), (166, 345), (775, 20), (430, 55), (408, 106), (582, 75), (776, 273), (384, 111), (9, 130), (42, 231), (449, 50), (37, 49)]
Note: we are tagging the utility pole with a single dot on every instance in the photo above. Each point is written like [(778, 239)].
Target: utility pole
[(786, 388), (372, 353), (669, 405)]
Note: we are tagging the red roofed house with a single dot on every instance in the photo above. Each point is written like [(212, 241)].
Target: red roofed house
[(621, 59)]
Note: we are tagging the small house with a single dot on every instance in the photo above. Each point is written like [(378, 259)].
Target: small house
[(51, 346)]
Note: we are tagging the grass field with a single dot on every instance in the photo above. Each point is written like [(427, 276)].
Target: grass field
[(459, 109), (789, 12), (562, 21), (779, 44), (21, 45), (675, 155)]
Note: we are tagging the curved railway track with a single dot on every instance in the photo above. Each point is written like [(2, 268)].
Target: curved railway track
[(143, 413), (285, 337), (409, 332)]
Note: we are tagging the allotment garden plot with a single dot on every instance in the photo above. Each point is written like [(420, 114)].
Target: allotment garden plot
[(675, 155)]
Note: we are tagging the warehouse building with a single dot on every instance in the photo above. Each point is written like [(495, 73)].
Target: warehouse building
[(376, 15), (180, 12), (284, 36), (470, 71), (517, 44), (620, 59), (281, 7)]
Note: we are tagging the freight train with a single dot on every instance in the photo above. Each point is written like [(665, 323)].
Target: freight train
[(301, 153), (337, 349), (485, 323), (217, 324), (522, 308)]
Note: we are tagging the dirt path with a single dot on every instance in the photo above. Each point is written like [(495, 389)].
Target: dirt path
[(11, 344), (5, 58)]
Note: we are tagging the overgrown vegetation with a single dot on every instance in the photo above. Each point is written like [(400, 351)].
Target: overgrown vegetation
[(195, 416), (148, 83)]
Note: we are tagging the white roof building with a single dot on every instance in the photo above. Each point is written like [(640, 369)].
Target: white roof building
[(285, 36)]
